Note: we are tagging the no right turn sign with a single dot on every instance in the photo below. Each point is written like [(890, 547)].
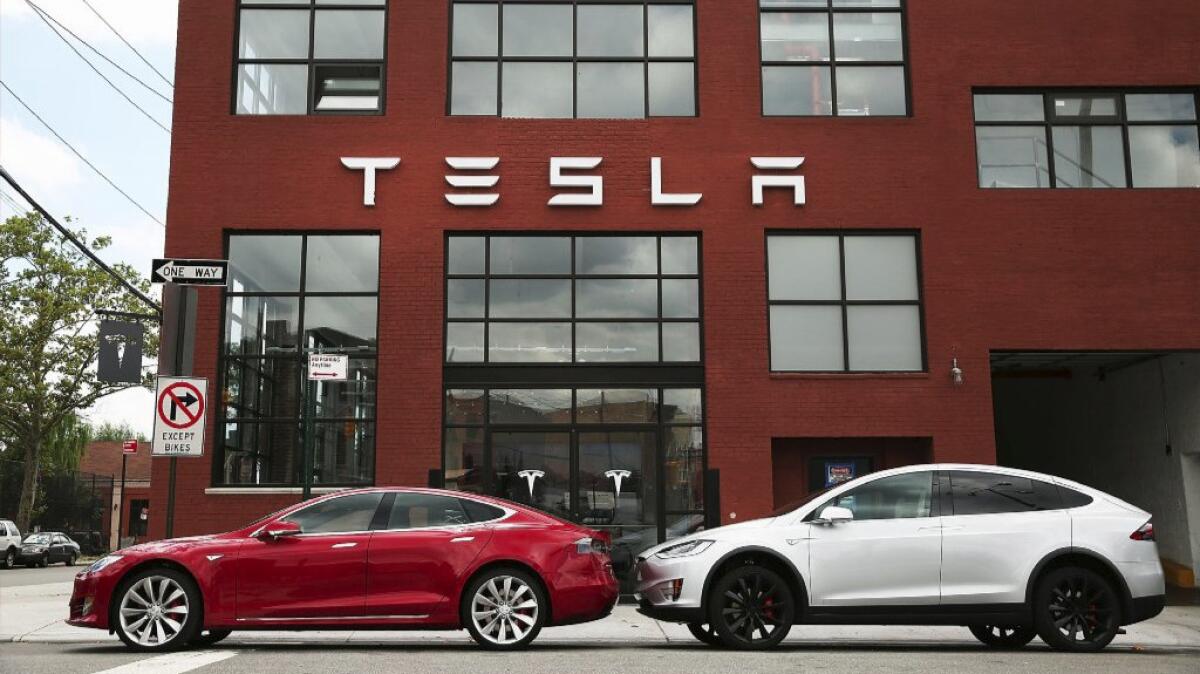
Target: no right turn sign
[(180, 405)]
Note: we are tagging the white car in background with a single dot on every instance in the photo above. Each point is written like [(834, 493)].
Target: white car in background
[(1010, 554), (10, 544)]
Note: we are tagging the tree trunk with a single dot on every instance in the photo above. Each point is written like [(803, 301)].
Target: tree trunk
[(29, 481)]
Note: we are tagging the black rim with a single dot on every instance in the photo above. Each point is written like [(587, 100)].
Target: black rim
[(1082, 609), (1001, 633), (754, 605)]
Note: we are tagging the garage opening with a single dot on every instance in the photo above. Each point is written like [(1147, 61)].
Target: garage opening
[(1124, 422), (802, 466)]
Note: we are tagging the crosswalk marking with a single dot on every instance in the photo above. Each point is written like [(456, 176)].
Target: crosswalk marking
[(172, 663)]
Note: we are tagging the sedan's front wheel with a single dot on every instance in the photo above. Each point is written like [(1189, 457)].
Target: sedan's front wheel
[(504, 609), (158, 610), (751, 608)]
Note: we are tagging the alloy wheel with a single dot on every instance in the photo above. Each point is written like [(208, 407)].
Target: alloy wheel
[(504, 610), (154, 611), (756, 608), (1082, 610)]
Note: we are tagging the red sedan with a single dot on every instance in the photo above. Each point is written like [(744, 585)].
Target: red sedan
[(362, 559)]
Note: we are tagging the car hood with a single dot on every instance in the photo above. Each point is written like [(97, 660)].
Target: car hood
[(174, 545), (727, 532)]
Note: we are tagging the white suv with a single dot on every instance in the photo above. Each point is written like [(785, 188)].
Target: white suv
[(10, 544), (1010, 554)]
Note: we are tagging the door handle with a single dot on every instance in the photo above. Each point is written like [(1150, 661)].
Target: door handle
[(462, 539), (335, 546)]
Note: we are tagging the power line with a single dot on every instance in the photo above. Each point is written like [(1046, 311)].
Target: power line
[(127, 44), (41, 15), (77, 154), (99, 53), (77, 243)]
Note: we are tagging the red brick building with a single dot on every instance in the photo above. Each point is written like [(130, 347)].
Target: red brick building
[(899, 308), (103, 457)]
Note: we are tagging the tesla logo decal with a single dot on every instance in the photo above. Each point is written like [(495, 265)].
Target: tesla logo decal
[(213, 558), (617, 476), (531, 476)]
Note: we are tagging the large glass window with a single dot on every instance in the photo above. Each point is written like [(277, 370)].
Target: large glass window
[(572, 299), (1087, 139), (621, 59), (845, 302), (299, 57), (976, 493), (289, 296), (833, 57)]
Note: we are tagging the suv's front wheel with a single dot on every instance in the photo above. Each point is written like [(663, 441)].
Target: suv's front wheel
[(1004, 636), (751, 608), (1076, 609)]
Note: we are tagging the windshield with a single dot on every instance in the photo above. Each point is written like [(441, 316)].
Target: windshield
[(38, 539), (795, 505)]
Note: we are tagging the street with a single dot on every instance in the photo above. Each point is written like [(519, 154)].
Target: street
[(33, 640)]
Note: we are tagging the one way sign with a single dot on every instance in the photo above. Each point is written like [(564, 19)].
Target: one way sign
[(179, 416), (189, 272)]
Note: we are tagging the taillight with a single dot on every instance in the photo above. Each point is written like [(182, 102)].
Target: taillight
[(1144, 532), (590, 545)]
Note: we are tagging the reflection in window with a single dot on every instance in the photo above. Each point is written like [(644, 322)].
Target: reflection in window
[(618, 60)]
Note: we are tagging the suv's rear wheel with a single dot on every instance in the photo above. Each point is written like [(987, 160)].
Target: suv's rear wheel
[(1076, 609), (10, 558), (1004, 636), (751, 607)]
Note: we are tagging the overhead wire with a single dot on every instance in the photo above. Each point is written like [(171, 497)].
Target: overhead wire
[(127, 44)]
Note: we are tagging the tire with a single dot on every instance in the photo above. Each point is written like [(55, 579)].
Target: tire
[(70, 560), (207, 638), (1004, 636), (1076, 610), (157, 610), (44, 561), (10, 558), (748, 600), (705, 633), (499, 604)]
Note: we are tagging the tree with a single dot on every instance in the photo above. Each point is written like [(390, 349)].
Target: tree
[(109, 431), (49, 295)]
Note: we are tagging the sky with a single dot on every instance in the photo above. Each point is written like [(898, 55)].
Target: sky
[(106, 129)]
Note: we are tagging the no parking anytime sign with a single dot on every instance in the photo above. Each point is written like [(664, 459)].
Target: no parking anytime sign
[(180, 406)]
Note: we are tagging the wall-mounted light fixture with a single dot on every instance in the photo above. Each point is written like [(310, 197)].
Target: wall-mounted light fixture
[(956, 372)]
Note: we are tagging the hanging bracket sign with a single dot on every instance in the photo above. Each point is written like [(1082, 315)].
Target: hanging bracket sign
[(180, 406), (328, 367)]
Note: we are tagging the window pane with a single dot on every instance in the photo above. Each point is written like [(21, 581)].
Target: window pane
[(464, 459), (788, 36), (273, 34), (682, 406), (672, 89), (681, 342), (465, 254), (530, 406), (1160, 107), (866, 3), (340, 323), (871, 91), (261, 388), (976, 493), (868, 37), (260, 453), (475, 30), (272, 89), (794, 3), (884, 338), (464, 298), (353, 398), (1164, 156), (266, 263), (881, 268), (347, 34), (1100, 105), (897, 497), (343, 452), (609, 30), (464, 342), (670, 31), (529, 298), (599, 454), (804, 268), (1089, 156), (529, 342), (680, 298), (680, 255), (684, 468), (802, 91), (473, 90), (616, 255), (339, 514), (616, 298), (537, 30), (342, 264), (261, 325), (536, 90), (548, 454), (806, 339), (611, 90), (1009, 108), (617, 405), (1012, 156), (616, 342), (465, 406), (415, 510), (347, 87), (531, 255)]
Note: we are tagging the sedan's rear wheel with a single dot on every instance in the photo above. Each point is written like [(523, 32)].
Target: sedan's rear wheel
[(1076, 609), (1003, 636), (157, 610), (504, 609), (751, 608), (705, 633), (10, 558)]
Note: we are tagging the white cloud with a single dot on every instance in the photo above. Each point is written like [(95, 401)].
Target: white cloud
[(145, 23), (133, 406), (37, 160)]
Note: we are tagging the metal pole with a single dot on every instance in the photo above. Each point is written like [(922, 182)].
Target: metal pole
[(121, 500), (185, 297)]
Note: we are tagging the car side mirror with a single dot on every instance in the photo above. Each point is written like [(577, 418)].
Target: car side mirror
[(835, 515), (279, 529)]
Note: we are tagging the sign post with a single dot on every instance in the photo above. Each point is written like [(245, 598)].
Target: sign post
[(180, 407), (127, 447)]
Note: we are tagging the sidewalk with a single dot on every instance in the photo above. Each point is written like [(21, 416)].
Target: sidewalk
[(35, 613)]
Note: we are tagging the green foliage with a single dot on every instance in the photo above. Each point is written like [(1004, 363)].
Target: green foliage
[(108, 432)]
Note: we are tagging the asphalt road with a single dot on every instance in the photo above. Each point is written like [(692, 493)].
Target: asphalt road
[(55, 573), (28, 658)]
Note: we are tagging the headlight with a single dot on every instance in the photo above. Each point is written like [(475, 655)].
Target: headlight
[(100, 564), (684, 549)]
